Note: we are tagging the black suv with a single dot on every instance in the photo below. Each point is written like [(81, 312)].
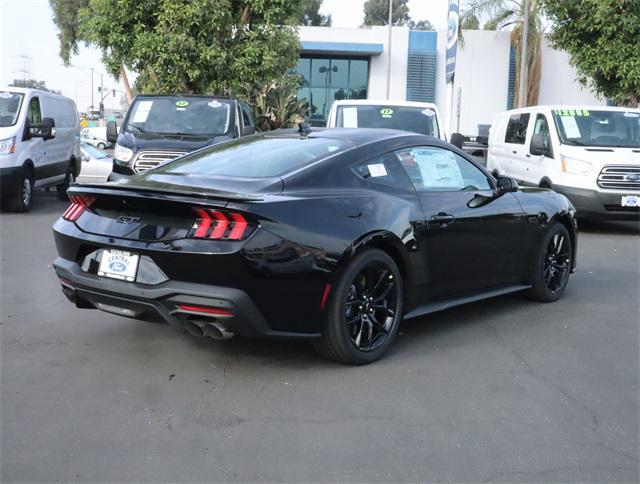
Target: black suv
[(159, 128)]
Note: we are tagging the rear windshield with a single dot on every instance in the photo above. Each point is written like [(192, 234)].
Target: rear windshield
[(179, 115), (254, 157), (413, 119), (9, 108)]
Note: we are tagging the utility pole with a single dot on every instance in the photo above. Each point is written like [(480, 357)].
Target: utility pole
[(101, 108), (522, 91), (389, 47)]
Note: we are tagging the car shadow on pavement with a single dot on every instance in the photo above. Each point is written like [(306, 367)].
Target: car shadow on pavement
[(599, 227)]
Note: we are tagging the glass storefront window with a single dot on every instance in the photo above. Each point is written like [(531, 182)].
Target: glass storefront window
[(326, 79)]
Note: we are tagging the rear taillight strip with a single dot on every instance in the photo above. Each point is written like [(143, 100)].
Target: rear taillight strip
[(219, 225), (78, 205)]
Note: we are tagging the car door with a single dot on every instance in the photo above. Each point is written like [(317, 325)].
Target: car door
[(537, 166), (36, 151), (473, 237), (514, 141)]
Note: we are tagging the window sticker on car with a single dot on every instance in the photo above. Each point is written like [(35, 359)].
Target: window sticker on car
[(350, 117), (439, 168), (5, 95), (182, 104), (571, 112), (142, 111), (386, 112), (629, 114), (214, 104), (427, 112), (377, 169), (570, 127)]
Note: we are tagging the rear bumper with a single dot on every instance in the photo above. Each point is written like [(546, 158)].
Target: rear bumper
[(599, 205), (162, 300)]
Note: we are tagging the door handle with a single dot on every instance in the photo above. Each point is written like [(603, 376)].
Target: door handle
[(443, 219), (514, 152), (528, 155)]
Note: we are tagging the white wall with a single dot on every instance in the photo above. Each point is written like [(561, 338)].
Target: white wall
[(558, 84)]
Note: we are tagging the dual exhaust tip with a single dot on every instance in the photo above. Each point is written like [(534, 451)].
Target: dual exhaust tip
[(206, 328)]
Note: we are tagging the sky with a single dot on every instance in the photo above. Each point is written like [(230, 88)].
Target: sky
[(29, 42)]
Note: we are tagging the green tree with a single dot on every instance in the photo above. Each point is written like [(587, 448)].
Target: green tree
[(420, 25), (602, 38), (33, 84), (376, 12), (509, 14), (188, 46), (310, 14)]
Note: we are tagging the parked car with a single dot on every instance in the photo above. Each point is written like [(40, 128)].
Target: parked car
[(159, 128), (39, 144), (415, 117), (96, 165), (591, 154), (96, 137), (332, 236)]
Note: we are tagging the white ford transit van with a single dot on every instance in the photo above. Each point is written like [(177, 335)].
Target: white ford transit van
[(590, 154), (39, 144), (411, 116)]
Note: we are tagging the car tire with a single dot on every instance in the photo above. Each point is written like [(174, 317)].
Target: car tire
[(23, 198), (552, 265), (69, 178), (369, 289), (101, 146)]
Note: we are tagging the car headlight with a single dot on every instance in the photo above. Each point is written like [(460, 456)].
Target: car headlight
[(7, 146), (575, 167), (122, 154)]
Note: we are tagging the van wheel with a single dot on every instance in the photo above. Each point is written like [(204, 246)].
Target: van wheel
[(24, 194), (101, 146), (69, 178)]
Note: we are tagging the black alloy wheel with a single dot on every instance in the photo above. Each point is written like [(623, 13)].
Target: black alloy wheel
[(364, 311), (553, 266)]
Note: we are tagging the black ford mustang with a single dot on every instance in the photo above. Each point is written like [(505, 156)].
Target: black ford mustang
[(332, 235)]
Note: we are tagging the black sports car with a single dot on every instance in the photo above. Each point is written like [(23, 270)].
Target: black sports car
[(332, 235)]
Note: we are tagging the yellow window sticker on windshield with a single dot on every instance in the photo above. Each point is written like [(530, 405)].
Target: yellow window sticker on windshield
[(182, 104), (386, 112)]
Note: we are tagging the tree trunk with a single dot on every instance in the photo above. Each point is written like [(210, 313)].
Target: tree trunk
[(125, 81), (633, 99)]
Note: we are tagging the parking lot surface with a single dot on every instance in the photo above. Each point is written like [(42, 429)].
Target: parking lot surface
[(503, 390)]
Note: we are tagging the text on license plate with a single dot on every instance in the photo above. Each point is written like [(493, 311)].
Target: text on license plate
[(630, 201), (118, 264)]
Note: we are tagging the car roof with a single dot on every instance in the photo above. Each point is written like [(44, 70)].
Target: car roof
[(205, 96), (383, 102), (354, 135)]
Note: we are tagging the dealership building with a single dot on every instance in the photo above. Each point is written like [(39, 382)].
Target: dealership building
[(338, 63)]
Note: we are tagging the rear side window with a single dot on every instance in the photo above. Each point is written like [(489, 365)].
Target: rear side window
[(246, 115), (384, 170), (250, 157), (34, 115), (517, 129)]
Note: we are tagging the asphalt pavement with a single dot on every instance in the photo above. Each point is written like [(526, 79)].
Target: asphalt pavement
[(504, 390)]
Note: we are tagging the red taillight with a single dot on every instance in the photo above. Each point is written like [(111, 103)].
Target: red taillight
[(218, 225), (205, 310), (78, 205)]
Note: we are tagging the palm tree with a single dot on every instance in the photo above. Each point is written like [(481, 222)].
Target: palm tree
[(509, 14)]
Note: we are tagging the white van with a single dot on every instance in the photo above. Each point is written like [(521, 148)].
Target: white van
[(39, 144), (590, 154), (411, 116)]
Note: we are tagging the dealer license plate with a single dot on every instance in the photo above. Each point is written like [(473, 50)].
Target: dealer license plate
[(630, 201), (118, 264)]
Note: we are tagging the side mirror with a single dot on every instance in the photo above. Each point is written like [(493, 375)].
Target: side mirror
[(247, 130), (457, 140), (112, 132), (506, 184), (46, 130), (539, 147)]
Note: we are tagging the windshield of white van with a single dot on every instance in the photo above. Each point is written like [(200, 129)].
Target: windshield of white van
[(179, 116), (414, 119), (613, 129), (10, 103)]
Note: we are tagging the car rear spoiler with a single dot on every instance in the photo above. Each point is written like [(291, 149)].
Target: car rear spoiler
[(161, 193)]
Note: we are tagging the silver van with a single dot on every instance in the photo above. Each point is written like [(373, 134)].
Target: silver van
[(39, 144)]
